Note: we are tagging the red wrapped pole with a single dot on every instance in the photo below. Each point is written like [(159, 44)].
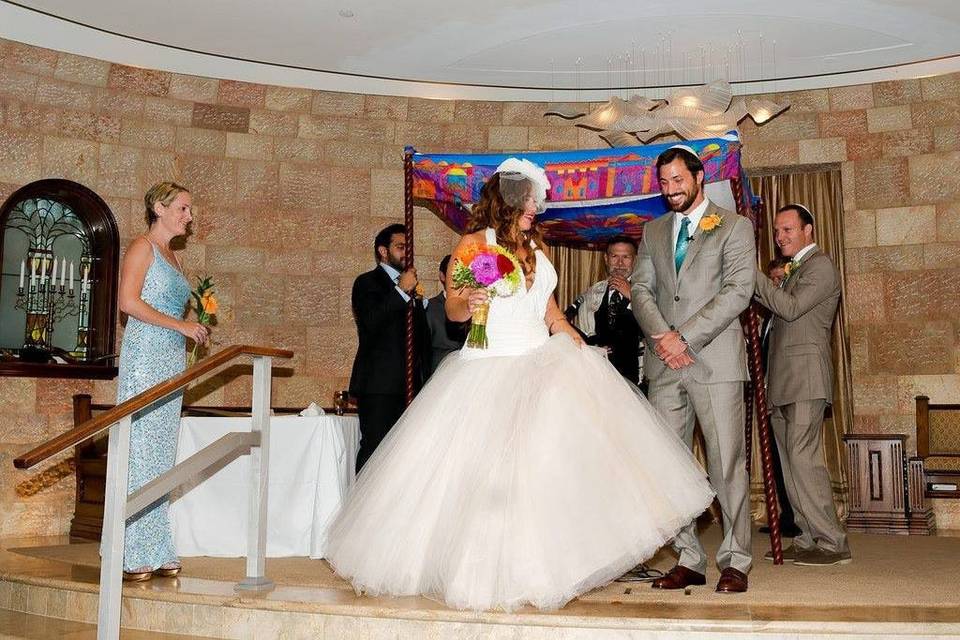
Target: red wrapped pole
[(748, 422), (407, 264), (755, 364)]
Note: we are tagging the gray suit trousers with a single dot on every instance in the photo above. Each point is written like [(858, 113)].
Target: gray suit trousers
[(798, 428), (718, 407)]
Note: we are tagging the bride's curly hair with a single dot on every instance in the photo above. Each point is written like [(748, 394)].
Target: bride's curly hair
[(492, 211)]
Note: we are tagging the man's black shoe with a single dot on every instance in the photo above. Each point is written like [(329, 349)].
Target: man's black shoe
[(785, 531)]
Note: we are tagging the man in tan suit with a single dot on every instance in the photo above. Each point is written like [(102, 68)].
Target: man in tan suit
[(695, 274), (800, 384)]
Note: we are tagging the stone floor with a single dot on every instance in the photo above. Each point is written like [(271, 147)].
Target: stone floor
[(896, 587)]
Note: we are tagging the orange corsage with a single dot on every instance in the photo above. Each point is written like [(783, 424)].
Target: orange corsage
[(710, 222)]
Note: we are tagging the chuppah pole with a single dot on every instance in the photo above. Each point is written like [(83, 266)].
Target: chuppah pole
[(407, 264), (755, 364)]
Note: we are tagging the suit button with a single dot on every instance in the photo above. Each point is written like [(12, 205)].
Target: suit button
[(676, 298)]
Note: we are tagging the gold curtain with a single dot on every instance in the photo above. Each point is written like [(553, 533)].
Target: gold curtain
[(577, 269), (820, 192)]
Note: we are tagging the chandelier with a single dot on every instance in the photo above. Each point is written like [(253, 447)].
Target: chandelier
[(707, 111)]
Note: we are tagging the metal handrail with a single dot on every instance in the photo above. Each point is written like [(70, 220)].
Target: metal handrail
[(119, 506), (102, 422)]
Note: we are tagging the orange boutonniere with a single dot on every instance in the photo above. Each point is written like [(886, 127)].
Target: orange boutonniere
[(790, 267), (710, 222)]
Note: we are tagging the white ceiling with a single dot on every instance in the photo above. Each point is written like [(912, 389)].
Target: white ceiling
[(503, 50)]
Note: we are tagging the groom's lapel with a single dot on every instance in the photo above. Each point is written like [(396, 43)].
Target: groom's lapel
[(665, 230)]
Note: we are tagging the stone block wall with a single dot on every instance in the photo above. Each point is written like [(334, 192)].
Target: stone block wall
[(290, 186)]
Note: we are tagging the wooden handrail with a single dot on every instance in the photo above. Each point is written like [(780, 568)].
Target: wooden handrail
[(103, 421)]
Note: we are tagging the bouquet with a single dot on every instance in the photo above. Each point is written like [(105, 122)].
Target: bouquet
[(206, 305), (489, 267)]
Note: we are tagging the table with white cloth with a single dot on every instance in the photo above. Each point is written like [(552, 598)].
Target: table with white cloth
[(312, 462)]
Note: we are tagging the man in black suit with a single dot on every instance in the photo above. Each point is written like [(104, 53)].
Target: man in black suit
[(445, 336), (380, 298), (603, 315)]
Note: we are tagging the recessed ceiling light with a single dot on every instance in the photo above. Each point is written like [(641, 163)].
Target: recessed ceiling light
[(345, 13)]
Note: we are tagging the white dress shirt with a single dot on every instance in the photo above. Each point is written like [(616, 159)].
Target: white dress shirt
[(807, 249)]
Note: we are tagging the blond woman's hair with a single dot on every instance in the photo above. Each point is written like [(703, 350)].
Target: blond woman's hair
[(164, 193)]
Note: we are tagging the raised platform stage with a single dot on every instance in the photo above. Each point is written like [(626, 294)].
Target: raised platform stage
[(896, 587)]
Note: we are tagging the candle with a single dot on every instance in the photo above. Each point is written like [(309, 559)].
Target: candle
[(23, 269), (71, 275), (33, 272), (63, 272), (43, 271), (53, 275)]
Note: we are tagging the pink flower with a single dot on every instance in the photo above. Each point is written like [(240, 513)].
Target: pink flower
[(484, 268)]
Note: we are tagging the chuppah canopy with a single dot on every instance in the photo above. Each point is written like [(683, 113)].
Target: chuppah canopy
[(595, 194)]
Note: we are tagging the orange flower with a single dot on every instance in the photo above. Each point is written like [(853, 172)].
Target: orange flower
[(469, 252), (710, 222), (210, 304)]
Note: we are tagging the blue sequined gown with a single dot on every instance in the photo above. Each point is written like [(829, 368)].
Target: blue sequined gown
[(150, 354)]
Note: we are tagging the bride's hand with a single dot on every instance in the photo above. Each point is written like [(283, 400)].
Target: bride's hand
[(560, 325), (477, 298), (574, 335)]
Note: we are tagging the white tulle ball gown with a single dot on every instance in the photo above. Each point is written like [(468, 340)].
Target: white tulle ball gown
[(528, 472)]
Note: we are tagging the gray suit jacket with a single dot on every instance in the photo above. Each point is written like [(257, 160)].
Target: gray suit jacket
[(800, 361), (704, 300)]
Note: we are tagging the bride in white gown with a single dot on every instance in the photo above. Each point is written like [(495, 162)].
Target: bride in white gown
[(527, 472)]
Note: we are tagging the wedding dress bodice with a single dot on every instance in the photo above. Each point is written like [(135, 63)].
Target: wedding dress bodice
[(515, 323)]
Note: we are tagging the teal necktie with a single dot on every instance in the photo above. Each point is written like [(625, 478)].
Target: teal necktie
[(683, 241)]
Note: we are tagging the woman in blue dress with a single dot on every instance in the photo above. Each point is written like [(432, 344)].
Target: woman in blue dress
[(154, 293)]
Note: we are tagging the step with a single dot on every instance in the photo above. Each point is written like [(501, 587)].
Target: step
[(16, 625)]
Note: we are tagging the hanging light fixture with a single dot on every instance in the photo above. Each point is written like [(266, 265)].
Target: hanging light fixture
[(706, 111)]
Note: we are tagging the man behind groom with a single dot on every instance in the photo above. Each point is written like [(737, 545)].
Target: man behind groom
[(695, 274)]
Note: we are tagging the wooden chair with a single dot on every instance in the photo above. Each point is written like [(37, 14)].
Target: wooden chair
[(938, 445)]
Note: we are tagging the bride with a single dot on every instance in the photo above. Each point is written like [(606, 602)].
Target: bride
[(526, 472)]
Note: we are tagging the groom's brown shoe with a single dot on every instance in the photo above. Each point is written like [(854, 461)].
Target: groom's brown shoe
[(678, 578), (732, 581)]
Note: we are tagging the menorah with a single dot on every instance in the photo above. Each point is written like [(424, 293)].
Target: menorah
[(46, 302)]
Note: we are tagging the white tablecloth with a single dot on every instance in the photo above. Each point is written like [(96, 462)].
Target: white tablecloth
[(311, 469)]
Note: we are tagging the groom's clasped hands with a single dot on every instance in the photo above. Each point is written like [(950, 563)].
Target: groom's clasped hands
[(672, 349)]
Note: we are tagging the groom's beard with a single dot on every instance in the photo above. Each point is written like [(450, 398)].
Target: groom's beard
[(684, 206)]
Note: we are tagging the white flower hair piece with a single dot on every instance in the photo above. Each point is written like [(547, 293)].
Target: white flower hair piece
[(533, 172)]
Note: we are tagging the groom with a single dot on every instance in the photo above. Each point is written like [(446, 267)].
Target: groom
[(695, 274)]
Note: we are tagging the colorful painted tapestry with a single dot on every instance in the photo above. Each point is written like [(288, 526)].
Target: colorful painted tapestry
[(595, 193)]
